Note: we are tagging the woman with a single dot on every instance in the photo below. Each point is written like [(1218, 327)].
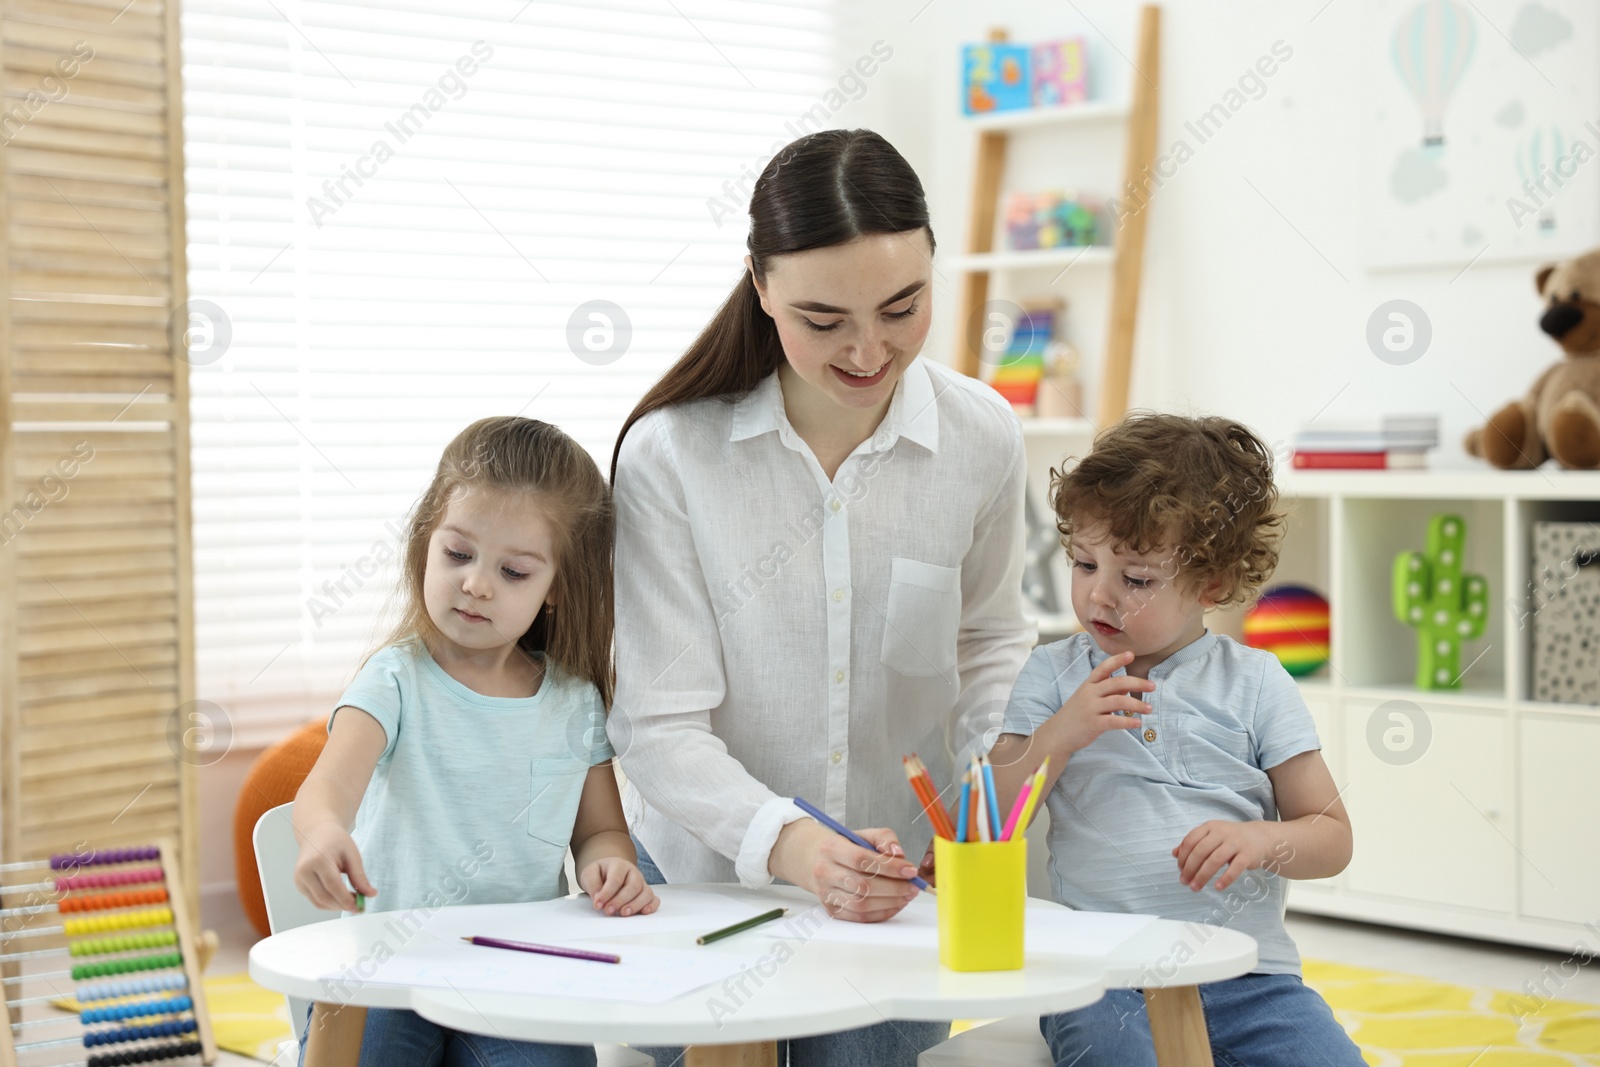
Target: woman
[(819, 560)]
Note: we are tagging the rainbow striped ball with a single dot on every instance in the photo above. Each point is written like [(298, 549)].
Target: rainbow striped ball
[(1291, 622)]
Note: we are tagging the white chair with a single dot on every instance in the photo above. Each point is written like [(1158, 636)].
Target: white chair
[(1014, 1042), (276, 852)]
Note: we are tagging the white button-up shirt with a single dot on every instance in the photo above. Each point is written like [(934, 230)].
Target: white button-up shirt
[(780, 634)]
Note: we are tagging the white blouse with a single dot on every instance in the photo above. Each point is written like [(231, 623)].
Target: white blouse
[(781, 635)]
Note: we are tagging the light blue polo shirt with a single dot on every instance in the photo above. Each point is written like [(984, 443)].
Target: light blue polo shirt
[(1220, 715), (474, 797)]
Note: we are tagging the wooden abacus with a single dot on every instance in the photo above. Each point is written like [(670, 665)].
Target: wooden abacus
[(113, 933)]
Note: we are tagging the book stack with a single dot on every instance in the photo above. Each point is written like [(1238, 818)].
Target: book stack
[(1376, 442)]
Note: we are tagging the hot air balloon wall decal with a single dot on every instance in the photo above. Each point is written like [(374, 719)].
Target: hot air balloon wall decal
[(1542, 168), (1433, 43)]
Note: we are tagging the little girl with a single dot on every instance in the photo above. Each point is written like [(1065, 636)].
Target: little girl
[(470, 750)]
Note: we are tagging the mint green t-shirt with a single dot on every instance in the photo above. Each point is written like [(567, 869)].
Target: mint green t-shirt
[(474, 797)]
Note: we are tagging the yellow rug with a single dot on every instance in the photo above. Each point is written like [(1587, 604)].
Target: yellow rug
[(1399, 1020), (1402, 1020)]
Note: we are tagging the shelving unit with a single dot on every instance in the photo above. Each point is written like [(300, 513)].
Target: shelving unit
[(1125, 258), (1489, 832), (1050, 441)]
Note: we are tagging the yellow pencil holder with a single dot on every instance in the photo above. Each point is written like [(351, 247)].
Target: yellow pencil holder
[(983, 892)]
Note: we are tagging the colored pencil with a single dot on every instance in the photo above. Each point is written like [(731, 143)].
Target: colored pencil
[(849, 835), (981, 813), (994, 797), (1016, 810), (739, 928), (1034, 792), (544, 950), (929, 799), (966, 799), (933, 791)]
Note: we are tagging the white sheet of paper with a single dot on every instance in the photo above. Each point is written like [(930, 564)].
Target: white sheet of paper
[(647, 974), (1050, 931), (696, 911)]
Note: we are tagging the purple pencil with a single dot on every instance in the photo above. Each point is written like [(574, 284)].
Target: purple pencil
[(547, 950)]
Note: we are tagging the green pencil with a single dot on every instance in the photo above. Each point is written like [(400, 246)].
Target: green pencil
[(739, 928)]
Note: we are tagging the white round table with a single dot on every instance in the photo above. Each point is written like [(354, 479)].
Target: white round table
[(822, 986)]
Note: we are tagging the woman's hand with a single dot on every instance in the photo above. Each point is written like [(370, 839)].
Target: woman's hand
[(327, 853), (617, 887), (852, 883)]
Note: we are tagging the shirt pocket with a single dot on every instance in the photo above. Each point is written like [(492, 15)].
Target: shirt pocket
[(556, 786), (923, 618), (1214, 754)]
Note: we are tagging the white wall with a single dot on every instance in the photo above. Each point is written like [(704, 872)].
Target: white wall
[(1244, 310)]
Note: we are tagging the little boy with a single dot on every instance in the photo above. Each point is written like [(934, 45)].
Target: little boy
[(1185, 774)]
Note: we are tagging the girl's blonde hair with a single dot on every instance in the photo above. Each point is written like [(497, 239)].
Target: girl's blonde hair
[(520, 455)]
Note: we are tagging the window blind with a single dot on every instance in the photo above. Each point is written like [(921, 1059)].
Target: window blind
[(399, 215)]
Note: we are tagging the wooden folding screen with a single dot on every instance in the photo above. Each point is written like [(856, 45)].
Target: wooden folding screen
[(96, 603)]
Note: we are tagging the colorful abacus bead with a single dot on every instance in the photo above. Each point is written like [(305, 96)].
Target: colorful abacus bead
[(103, 901), (148, 1054), (137, 1010), (129, 920), (128, 965), (158, 983), (102, 856), (138, 1033), (132, 876)]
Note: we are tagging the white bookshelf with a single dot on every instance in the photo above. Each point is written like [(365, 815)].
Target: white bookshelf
[(1037, 258), (1090, 111), (1492, 832)]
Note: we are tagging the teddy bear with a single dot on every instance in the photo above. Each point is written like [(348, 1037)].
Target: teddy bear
[(1560, 416)]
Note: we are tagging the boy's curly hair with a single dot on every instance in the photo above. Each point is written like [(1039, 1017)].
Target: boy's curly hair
[(1201, 487)]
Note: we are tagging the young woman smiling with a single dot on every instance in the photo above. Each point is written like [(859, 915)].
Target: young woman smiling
[(819, 560)]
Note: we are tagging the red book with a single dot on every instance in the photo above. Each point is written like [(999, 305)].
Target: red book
[(1359, 461)]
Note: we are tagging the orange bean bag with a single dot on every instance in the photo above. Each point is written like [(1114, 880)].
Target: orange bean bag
[(274, 779)]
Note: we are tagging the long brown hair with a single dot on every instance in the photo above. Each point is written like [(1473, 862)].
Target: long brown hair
[(824, 189), (520, 455)]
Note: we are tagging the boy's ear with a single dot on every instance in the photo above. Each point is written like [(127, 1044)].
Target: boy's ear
[(1211, 593)]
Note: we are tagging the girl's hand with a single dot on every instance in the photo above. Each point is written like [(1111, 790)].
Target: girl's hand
[(326, 854), (617, 887), (1103, 703), (1205, 849)]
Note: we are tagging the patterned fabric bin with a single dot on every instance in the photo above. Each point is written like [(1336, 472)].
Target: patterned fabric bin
[(1566, 620)]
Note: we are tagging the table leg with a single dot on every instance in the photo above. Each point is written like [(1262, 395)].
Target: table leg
[(1178, 1026), (333, 1036), (758, 1054)]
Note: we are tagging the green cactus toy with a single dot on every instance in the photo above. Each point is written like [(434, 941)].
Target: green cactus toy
[(1445, 605)]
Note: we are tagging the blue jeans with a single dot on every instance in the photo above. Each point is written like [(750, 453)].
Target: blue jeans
[(894, 1043), (1259, 1020), (395, 1037)]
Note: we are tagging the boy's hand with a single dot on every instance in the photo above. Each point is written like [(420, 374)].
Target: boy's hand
[(1206, 848), (1103, 703), (617, 887), (326, 854)]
